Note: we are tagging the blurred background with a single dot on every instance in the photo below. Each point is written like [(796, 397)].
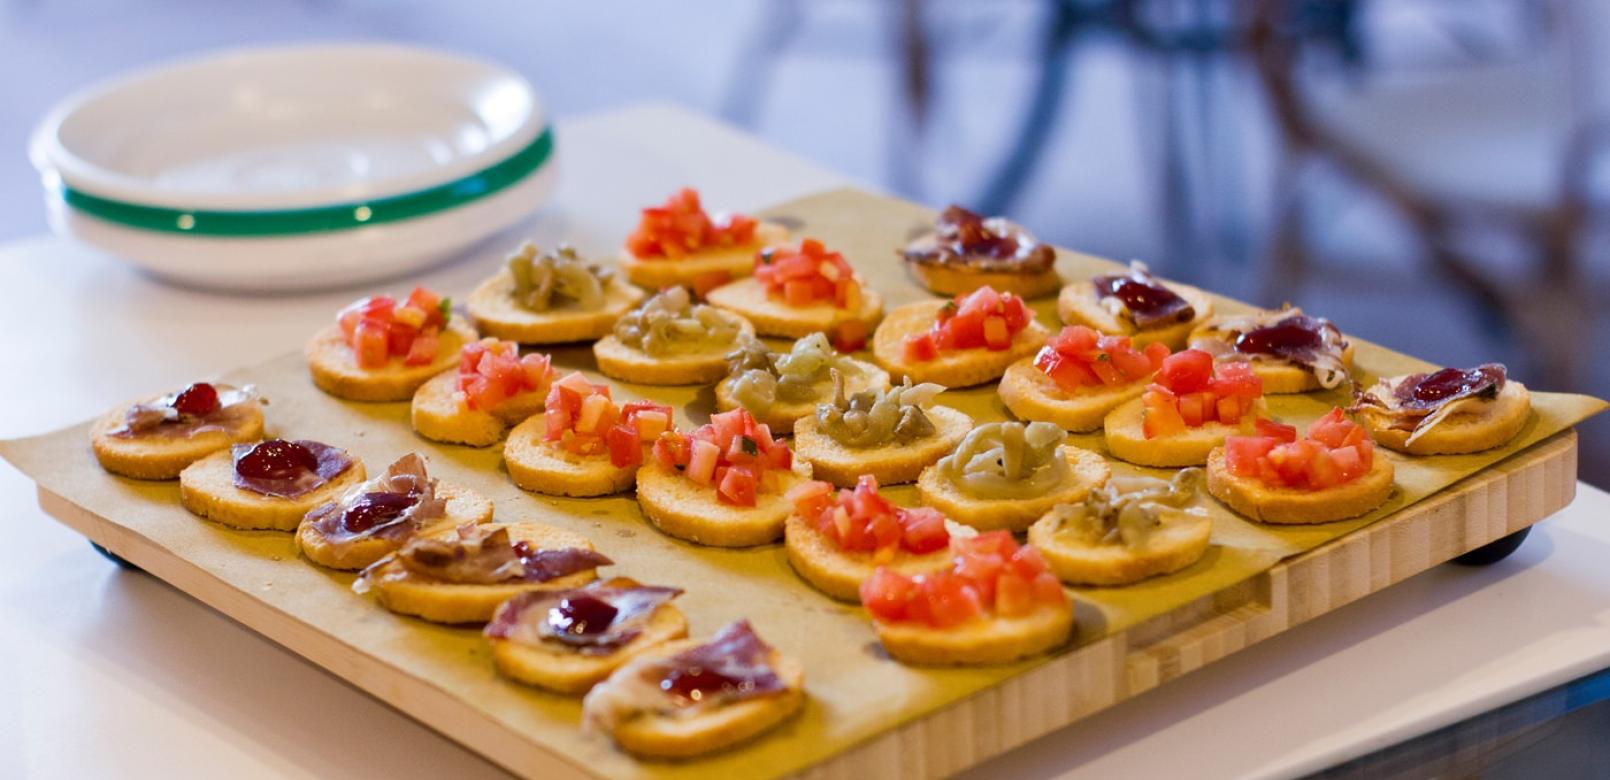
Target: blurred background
[(1433, 175)]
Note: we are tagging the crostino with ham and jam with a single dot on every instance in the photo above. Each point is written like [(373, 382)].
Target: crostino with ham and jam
[(1446, 412)]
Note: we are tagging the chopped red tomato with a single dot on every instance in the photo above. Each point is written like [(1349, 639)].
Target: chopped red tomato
[(378, 329), (808, 275), (990, 574), (862, 520), (981, 319), (583, 419), (492, 371), (1335, 451), (1080, 357), (850, 336), (681, 226), (1191, 390), (733, 453)]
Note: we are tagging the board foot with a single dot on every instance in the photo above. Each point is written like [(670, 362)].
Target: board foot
[(1493, 552), (115, 558)]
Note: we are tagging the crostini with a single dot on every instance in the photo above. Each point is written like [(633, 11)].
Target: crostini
[(670, 340), (677, 243), (1005, 475), (890, 435), (1078, 377), (492, 389), (567, 641), (461, 575), (998, 602), (376, 517), (779, 388), (550, 298), (1136, 304), (1188, 409), (1331, 474), (797, 292), (1290, 351), (1125, 531), (966, 251), (380, 350), (267, 485), (723, 485), (1447, 412), (966, 341), (835, 540), (688, 698), (156, 438), (583, 444)]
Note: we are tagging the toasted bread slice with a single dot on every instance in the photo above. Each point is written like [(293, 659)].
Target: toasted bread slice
[(1088, 471), (495, 313), (783, 416), (738, 261), (891, 464), (335, 370), (163, 457), (772, 317), (1077, 304), (438, 414), (687, 510), (537, 465), (839, 573), (1293, 506), (562, 670), (406, 593), (207, 488), (629, 364), (991, 640), (1126, 438), (1492, 424), (1031, 395), (959, 368), (952, 281), (463, 506), (652, 735), (1179, 542)]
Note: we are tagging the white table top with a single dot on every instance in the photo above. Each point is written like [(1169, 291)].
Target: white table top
[(114, 674)]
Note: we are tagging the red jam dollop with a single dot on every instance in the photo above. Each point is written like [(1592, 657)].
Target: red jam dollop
[(286, 469), (966, 238), (1427, 391), (1293, 338), (1149, 302), (197, 400), (733, 665), (595, 619)]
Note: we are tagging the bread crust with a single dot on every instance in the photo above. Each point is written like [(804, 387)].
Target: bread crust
[(1088, 471), (1031, 395), (1077, 304), (891, 464), (494, 312), (1292, 506), (405, 593), (162, 457), (747, 298), (783, 416), (629, 364), (536, 465), (1126, 438), (335, 370), (945, 279), (1461, 432), (839, 573), (690, 511), (658, 273), (572, 673), (1180, 542), (207, 489), (437, 414), (463, 506), (1281, 377), (960, 368), (993, 640)]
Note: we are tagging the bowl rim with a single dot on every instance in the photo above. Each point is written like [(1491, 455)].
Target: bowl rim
[(58, 163)]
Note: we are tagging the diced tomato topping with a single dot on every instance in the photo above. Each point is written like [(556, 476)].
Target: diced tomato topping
[(492, 371), (1187, 371), (681, 226), (990, 574), (377, 329), (850, 336), (1191, 390), (1334, 452), (733, 452), (808, 275), (981, 319), (583, 419), (369, 344), (709, 280), (862, 520)]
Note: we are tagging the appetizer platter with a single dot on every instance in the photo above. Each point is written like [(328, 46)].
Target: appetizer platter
[(845, 488)]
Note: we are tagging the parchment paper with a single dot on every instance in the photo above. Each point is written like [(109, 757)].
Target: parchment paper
[(855, 692)]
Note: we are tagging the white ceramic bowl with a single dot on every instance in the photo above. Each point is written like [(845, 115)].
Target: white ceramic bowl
[(296, 167)]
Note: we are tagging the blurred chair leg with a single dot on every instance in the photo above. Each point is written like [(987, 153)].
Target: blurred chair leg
[(1288, 247), (1028, 144), (751, 74), (916, 75)]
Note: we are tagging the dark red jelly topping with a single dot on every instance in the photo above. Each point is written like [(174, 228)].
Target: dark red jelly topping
[(732, 665), (375, 509), (972, 237), (697, 683), (197, 400), (1147, 300), (1426, 391), (1291, 336), (277, 459), (581, 614)]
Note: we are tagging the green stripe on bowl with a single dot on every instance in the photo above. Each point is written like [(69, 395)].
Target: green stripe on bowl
[(320, 219)]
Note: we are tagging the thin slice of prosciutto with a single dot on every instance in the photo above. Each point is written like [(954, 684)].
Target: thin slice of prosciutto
[(596, 619), (734, 665), (394, 505), (479, 555), (159, 417), (1288, 336), (329, 463), (1418, 402), (1148, 302)]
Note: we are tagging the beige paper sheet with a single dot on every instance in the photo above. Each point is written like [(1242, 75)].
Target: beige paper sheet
[(855, 692)]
